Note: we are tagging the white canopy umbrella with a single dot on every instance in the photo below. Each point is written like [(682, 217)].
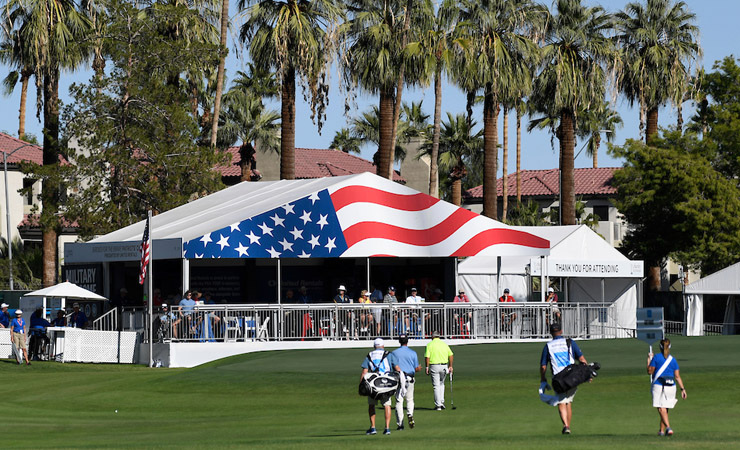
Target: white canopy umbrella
[(66, 290)]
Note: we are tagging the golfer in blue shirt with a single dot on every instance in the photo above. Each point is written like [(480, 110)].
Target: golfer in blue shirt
[(405, 361)]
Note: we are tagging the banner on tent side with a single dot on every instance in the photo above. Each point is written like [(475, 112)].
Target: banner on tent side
[(588, 269), (650, 324), (85, 252)]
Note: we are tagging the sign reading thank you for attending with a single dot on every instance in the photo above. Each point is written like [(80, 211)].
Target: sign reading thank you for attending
[(592, 269)]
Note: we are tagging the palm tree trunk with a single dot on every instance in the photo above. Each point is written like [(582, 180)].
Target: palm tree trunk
[(25, 78), (399, 86), (504, 166), (518, 154), (434, 163), (220, 74), (679, 117), (457, 191), (652, 125), (567, 146), (287, 130), (385, 144), (50, 188), (597, 144), (653, 278), (490, 153)]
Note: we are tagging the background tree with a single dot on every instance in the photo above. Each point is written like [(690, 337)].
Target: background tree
[(366, 128), (223, 51), (345, 141), (15, 54), (527, 214), (678, 205), (145, 151), (659, 44), (296, 39), (595, 121), (573, 79)]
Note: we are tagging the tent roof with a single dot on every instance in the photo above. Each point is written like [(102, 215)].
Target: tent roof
[(571, 242), (66, 290), (726, 281), (350, 216)]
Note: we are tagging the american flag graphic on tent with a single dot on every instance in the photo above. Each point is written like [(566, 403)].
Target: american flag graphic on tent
[(355, 219), (146, 244)]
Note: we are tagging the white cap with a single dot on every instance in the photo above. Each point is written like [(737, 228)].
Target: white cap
[(164, 305), (4, 305), (18, 312), (341, 288), (550, 290), (378, 342), (367, 293)]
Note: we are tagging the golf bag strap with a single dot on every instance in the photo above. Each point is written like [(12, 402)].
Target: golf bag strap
[(662, 369), (372, 364)]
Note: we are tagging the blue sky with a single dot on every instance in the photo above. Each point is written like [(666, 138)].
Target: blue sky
[(720, 37)]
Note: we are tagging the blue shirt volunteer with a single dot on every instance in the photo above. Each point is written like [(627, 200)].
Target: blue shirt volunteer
[(18, 325), (4, 319), (669, 373), (557, 354), (376, 356), (406, 359)]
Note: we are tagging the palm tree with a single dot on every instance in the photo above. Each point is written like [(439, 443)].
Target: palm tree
[(50, 30), (294, 38), (659, 42), (502, 51), (14, 54), (376, 61), (459, 147), (345, 141), (366, 129), (221, 70), (593, 122), (573, 79)]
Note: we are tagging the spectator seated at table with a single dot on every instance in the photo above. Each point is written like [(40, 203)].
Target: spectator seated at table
[(61, 319), (462, 317), (39, 339), (163, 323), (508, 315), (78, 319)]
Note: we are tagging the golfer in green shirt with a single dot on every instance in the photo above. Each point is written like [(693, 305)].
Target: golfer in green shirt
[(438, 358)]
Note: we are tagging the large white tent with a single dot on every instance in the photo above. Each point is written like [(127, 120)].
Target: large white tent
[(592, 272), (724, 282)]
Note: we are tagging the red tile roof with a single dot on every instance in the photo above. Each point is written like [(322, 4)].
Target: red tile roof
[(314, 163), (29, 153), (588, 181), (32, 221)]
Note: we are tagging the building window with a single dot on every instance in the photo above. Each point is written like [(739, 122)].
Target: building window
[(603, 212), (28, 195)]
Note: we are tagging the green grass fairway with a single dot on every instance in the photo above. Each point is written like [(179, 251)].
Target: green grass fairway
[(299, 399)]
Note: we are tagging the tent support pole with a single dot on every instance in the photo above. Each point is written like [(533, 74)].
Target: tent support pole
[(279, 287), (149, 290), (543, 278), (498, 278), (457, 275), (185, 274), (367, 264)]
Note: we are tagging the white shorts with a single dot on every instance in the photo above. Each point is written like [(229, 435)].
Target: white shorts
[(566, 397), (664, 396), (372, 401)]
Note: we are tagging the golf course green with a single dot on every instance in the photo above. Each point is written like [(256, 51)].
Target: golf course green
[(308, 399)]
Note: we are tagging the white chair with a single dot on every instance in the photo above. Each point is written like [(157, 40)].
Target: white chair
[(262, 333), (232, 329)]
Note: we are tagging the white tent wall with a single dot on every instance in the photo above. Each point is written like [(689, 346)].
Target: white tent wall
[(482, 288), (724, 282), (621, 292), (694, 314)]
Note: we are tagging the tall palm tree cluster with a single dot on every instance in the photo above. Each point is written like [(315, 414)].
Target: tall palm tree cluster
[(556, 62)]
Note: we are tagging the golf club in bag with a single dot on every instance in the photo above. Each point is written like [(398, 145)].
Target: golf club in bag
[(452, 394)]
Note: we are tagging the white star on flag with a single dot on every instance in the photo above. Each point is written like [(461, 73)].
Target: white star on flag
[(223, 242), (288, 209), (253, 237), (306, 217), (304, 254), (235, 227), (278, 221), (322, 220), (297, 234), (206, 239), (314, 197), (242, 250), (197, 256), (266, 229), (273, 253), (314, 241), (286, 245), (330, 244)]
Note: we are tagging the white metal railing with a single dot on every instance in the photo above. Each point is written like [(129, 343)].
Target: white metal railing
[(674, 327), (230, 323), (713, 329), (107, 322)]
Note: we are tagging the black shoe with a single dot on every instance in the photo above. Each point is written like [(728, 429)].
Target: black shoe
[(411, 421), (566, 430), (400, 428), (28, 363)]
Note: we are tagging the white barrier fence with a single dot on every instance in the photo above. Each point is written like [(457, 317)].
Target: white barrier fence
[(66, 344), (334, 322)]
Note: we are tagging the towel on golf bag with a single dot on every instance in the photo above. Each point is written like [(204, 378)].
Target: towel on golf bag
[(573, 375), (379, 385), (402, 386)]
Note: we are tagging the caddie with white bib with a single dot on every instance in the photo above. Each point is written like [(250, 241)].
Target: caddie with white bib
[(664, 377), (377, 383), (560, 353)]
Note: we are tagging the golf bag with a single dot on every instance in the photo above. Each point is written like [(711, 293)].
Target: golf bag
[(379, 386), (573, 375)]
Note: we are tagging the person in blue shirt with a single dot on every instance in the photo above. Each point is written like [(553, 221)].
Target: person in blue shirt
[(664, 375), (39, 339), (19, 331), (405, 361), (560, 353), (377, 360), (78, 319), (4, 316), (61, 320)]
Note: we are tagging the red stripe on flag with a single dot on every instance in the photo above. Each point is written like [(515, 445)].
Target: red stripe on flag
[(491, 237), (354, 194), (438, 233), (146, 243)]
